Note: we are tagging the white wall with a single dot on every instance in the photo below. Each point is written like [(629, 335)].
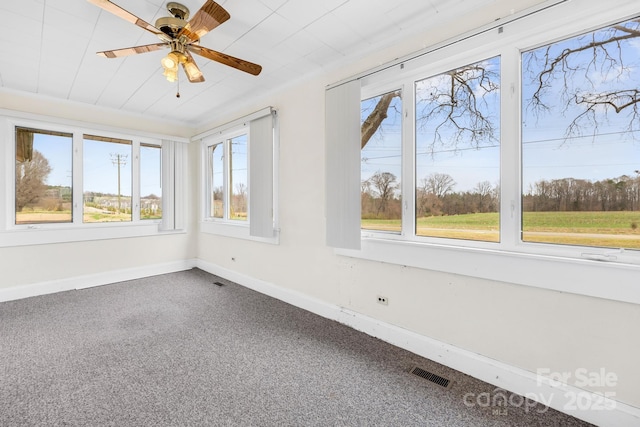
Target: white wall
[(524, 327), (26, 265)]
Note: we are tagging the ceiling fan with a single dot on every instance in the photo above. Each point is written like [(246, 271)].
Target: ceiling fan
[(181, 37)]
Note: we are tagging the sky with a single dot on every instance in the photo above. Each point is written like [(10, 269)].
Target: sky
[(100, 172), (239, 159)]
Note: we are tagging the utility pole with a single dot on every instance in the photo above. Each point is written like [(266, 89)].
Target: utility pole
[(119, 160)]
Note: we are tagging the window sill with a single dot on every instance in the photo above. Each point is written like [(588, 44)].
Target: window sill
[(237, 230), (608, 280), (48, 234)]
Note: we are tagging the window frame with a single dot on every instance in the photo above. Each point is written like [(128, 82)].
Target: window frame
[(134, 165), (378, 90), (575, 269), (45, 233), (225, 226), (12, 154), (443, 62), (224, 140)]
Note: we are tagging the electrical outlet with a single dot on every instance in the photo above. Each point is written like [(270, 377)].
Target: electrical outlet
[(383, 300)]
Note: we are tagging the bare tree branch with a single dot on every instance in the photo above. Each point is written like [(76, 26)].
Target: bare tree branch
[(558, 66), (461, 112), (376, 117)]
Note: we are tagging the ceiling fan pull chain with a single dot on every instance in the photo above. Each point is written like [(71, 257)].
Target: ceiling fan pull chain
[(178, 92)]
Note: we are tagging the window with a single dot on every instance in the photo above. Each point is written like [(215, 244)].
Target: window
[(239, 174), (381, 162), (43, 176), (72, 182), (216, 180), (457, 134), (150, 181), (519, 153), (228, 179), (107, 179), (581, 140), (238, 178)]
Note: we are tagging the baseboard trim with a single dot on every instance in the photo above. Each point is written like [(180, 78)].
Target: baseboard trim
[(92, 280), (582, 404)]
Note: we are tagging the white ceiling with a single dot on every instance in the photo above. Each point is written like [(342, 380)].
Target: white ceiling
[(47, 47)]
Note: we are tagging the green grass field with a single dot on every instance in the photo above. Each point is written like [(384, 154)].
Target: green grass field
[(607, 229)]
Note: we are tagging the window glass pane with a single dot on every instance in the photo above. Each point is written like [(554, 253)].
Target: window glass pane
[(381, 162), (581, 140), (239, 178), (43, 176), (150, 181), (458, 153), (216, 170), (106, 179)]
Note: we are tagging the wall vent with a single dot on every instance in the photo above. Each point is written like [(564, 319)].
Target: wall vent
[(437, 379)]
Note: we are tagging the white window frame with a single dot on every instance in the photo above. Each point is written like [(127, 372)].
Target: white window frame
[(225, 140), (575, 269), (407, 173), (12, 234), (238, 228)]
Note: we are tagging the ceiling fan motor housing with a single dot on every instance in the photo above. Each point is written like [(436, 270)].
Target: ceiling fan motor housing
[(178, 10), (171, 25)]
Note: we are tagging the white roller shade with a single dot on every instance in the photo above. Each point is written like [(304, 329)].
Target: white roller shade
[(173, 191), (342, 167), (261, 149)]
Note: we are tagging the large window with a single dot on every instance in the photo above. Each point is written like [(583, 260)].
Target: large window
[(580, 145), (581, 139), (82, 178)]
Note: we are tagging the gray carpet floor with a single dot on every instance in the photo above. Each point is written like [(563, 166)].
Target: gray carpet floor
[(178, 350)]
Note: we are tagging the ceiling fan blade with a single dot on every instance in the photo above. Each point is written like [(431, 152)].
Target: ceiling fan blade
[(191, 69), (121, 13), (210, 15), (240, 64), (118, 53)]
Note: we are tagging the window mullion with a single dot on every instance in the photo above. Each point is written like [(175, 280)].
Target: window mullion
[(207, 165), (77, 181), (135, 181), (408, 161), (510, 164), (226, 192)]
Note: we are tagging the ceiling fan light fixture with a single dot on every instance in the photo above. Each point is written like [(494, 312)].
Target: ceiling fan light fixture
[(171, 74), (170, 61), (192, 71)]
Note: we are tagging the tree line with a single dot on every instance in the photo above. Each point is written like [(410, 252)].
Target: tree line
[(571, 194), (381, 199), (435, 196)]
